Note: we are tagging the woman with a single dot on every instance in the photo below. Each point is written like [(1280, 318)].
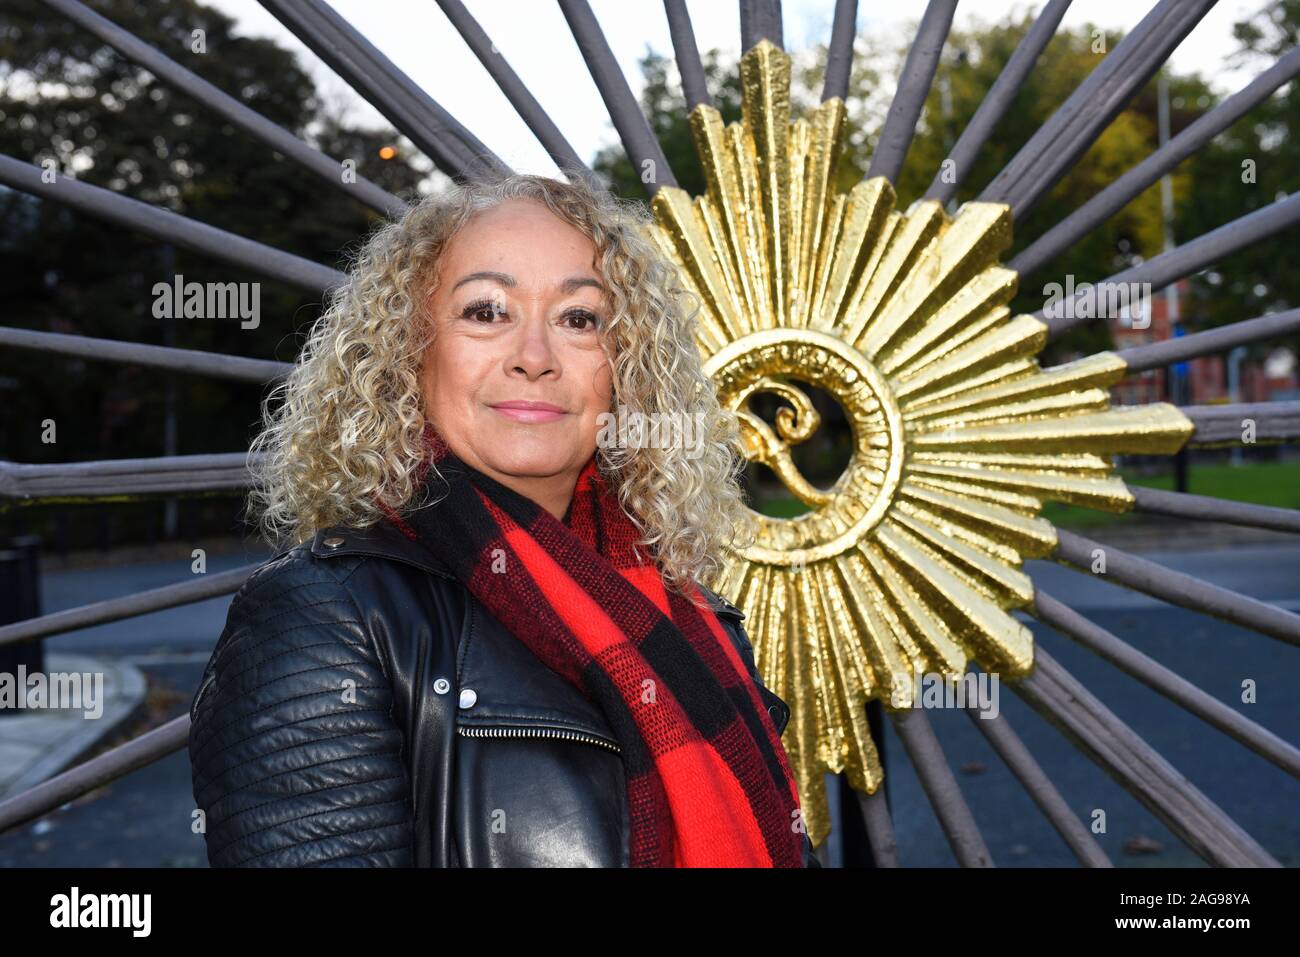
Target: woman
[(483, 643)]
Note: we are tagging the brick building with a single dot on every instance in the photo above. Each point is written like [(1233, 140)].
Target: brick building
[(1273, 378)]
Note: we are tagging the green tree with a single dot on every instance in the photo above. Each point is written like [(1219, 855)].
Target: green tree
[(1250, 165)]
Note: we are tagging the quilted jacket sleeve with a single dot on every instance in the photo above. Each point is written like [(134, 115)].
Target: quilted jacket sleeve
[(296, 760)]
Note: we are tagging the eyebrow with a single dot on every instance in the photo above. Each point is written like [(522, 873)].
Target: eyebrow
[(567, 286)]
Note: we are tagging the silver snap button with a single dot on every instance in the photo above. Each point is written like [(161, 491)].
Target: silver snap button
[(467, 697), (442, 686), (333, 542), (775, 712)]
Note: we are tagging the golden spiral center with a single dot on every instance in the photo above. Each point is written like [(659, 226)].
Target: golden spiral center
[(845, 513)]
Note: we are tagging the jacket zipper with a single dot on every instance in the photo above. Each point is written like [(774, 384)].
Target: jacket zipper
[(561, 733)]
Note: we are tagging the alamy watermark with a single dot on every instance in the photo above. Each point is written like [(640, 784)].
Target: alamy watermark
[(1129, 301), (56, 690), (132, 911), (655, 430), (978, 691), (211, 300)]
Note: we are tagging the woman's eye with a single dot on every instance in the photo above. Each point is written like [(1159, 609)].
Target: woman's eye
[(578, 316), (481, 310)]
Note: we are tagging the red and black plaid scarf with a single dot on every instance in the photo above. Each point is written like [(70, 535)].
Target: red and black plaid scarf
[(708, 782)]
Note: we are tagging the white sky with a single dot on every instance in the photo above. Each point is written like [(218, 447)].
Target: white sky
[(535, 40)]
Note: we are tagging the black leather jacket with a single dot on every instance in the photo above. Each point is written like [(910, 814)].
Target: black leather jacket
[(362, 708)]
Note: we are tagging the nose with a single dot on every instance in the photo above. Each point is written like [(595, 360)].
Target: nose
[(532, 353)]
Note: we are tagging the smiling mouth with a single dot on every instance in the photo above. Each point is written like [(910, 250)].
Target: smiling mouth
[(530, 411)]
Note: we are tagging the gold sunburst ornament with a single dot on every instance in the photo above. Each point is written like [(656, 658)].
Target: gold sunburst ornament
[(910, 562)]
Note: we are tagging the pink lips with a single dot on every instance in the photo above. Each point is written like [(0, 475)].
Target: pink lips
[(525, 411)]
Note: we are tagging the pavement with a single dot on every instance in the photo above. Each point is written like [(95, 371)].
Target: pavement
[(151, 666)]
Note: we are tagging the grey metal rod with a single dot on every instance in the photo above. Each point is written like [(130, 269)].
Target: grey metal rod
[(170, 227), (194, 361), (687, 53), (374, 81), (515, 90), (839, 52), (1156, 355), (438, 129), (1177, 588), (639, 140), (27, 490), (112, 477), (102, 769), (1166, 682), (1125, 189), (1231, 424), (412, 111), (127, 489), (1207, 509), (1040, 788), (1065, 137), (880, 829), (996, 102), (1095, 730), (201, 588), (760, 20), (941, 787), (118, 467), (1190, 257), (226, 106), (913, 87)]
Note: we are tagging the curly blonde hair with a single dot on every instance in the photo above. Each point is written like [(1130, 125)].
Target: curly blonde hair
[(346, 430)]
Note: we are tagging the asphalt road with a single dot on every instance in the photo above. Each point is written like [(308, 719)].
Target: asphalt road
[(145, 819)]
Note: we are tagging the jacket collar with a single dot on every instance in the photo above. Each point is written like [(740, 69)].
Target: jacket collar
[(381, 540)]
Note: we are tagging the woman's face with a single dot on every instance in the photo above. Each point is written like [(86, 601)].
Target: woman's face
[(518, 313)]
